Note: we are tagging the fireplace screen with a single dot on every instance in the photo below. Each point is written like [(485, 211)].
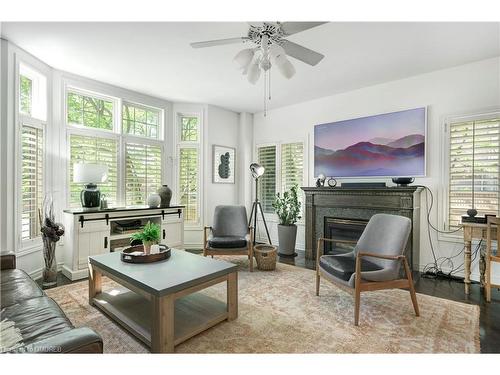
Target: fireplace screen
[(344, 232)]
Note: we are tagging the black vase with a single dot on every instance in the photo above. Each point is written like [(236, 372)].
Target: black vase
[(90, 197), (165, 194)]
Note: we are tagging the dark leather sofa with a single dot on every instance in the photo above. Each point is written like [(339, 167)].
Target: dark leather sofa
[(43, 325)]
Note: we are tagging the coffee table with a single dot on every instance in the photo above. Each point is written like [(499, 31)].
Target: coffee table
[(161, 303)]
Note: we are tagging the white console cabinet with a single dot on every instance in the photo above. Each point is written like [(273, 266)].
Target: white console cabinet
[(94, 232)]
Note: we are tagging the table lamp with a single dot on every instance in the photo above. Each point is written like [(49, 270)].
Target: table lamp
[(90, 175)]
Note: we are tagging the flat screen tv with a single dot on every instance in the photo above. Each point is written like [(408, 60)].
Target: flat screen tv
[(386, 145)]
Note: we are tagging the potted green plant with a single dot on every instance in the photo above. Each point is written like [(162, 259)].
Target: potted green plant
[(287, 207), (149, 235)]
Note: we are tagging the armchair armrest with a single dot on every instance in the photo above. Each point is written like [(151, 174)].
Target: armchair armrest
[(77, 340), (205, 235), (8, 261), (321, 240), (389, 257)]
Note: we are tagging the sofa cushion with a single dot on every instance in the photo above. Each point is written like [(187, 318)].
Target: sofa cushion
[(17, 286), (227, 242), (37, 318), (343, 267)]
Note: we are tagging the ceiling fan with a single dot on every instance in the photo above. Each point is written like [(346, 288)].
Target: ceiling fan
[(269, 46)]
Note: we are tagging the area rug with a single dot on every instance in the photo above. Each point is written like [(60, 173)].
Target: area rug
[(280, 313)]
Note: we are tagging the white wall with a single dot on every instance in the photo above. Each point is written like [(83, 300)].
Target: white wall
[(458, 90), (223, 127)]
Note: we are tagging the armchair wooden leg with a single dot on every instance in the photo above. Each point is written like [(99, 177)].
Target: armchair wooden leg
[(357, 302), (317, 282), (411, 287), (250, 257), (357, 291)]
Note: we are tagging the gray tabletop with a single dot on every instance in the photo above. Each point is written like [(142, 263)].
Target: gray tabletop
[(182, 270)]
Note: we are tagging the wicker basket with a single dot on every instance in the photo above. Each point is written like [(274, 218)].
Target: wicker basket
[(266, 257)]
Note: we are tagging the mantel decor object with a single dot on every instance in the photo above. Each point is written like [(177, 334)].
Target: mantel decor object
[(165, 194), (51, 234)]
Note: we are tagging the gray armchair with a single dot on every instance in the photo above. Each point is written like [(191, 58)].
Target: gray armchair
[(375, 262), (229, 234)]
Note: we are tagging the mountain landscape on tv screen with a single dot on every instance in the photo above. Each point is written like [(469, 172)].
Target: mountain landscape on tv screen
[(375, 157)]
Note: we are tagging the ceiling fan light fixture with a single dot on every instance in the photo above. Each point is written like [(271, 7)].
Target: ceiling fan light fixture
[(244, 58), (285, 66), (275, 50), (254, 72)]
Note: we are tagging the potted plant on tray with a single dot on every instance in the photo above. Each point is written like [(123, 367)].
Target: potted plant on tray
[(149, 235), (287, 208)]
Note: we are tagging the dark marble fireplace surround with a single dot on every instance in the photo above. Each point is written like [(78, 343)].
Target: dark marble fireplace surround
[(360, 204)]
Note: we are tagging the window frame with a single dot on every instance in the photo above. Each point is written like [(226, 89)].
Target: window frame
[(443, 213), (198, 145), (22, 119), (79, 91), (161, 123)]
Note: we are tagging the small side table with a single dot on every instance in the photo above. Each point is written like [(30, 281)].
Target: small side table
[(265, 255)]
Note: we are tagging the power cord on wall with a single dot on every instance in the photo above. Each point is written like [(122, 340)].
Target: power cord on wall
[(435, 268)]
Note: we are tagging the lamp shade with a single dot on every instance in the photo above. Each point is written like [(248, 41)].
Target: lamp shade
[(244, 58), (90, 173), (285, 66), (254, 72), (257, 170)]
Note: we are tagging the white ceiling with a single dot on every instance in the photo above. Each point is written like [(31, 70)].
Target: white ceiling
[(156, 59)]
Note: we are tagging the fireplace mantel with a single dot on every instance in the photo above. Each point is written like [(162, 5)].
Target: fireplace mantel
[(361, 203)]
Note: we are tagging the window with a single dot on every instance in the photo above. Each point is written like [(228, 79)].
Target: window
[(292, 165), (89, 111), (189, 167), (25, 95), (188, 182), (105, 138), (267, 182), (142, 172), (32, 108), (474, 159), (141, 121), (94, 150), (290, 160), (189, 129), (32, 180)]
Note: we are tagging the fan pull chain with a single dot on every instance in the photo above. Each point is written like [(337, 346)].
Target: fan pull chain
[(265, 94), (269, 91)]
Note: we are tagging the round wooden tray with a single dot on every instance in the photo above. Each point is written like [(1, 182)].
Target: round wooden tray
[(128, 257)]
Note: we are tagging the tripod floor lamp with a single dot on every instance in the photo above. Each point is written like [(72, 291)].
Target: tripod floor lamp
[(257, 171)]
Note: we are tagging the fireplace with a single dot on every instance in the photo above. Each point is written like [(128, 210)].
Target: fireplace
[(342, 212), (344, 231)]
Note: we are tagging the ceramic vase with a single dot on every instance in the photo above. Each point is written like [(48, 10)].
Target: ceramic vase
[(165, 194), (154, 200)]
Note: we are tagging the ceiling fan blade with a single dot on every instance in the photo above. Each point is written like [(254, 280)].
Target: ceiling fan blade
[(219, 42), (290, 28), (301, 53)]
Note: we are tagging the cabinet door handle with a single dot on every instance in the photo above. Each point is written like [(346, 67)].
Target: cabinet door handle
[(105, 242), (163, 233)]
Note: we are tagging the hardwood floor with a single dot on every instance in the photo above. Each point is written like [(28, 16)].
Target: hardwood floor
[(454, 290)]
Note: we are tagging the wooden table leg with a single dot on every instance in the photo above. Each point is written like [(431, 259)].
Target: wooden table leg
[(163, 328), (95, 283), (232, 296), (467, 261)]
